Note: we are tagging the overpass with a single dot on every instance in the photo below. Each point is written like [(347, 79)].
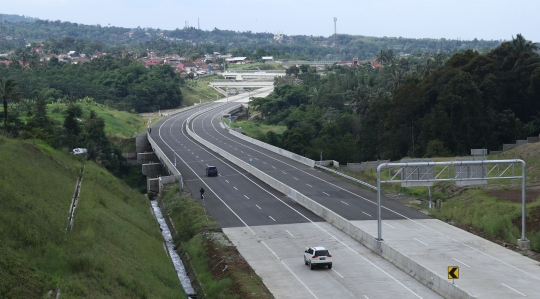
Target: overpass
[(241, 75)]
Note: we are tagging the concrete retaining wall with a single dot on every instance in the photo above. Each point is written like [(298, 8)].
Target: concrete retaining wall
[(508, 146), (428, 278), (328, 163), (141, 143), (144, 158), (275, 149), (358, 167), (533, 139), (521, 142)]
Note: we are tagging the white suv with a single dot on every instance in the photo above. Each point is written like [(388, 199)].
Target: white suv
[(317, 256)]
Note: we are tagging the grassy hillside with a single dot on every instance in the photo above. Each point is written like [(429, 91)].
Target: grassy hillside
[(114, 250), (200, 237), (195, 90), (117, 123), (256, 129)]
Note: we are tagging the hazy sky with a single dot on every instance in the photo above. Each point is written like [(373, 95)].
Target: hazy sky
[(466, 19)]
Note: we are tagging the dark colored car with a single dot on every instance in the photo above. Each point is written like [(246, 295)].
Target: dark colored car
[(211, 171)]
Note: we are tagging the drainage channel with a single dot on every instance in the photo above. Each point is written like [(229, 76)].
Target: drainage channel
[(74, 200), (177, 262)]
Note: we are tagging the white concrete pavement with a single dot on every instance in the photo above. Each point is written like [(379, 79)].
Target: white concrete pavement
[(275, 252), (486, 269)]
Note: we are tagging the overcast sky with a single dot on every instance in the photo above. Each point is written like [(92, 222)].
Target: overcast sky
[(466, 19)]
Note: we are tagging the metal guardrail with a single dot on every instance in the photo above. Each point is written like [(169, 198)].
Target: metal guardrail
[(347, 177)]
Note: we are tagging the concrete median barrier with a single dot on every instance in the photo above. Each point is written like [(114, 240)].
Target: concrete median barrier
[(417, 271)]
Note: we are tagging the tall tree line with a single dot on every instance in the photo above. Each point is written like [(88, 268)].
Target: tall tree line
[(419, 106)]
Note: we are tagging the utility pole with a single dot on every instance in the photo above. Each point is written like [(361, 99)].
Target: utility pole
[(335, 35), (1, 28), (198, 24)]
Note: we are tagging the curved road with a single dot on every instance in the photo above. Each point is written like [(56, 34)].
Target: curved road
[(270, 230)]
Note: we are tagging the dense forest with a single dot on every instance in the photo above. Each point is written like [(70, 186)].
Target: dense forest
[(66, 36), (422, 106), (124, 84)]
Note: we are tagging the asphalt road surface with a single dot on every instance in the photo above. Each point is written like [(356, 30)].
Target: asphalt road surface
[(270, 230)]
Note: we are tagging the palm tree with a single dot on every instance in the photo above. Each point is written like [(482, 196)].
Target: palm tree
[(427, 69), (439, 60), (381, 56), (396, 79), (390, 56), (7, 93), (522, 47)]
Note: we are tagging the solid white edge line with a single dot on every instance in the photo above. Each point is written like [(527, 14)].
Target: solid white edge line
[(322, 229), (386, 208)]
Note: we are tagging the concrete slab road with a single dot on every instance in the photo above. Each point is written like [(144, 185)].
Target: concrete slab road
[(276, 254), (486, 269)]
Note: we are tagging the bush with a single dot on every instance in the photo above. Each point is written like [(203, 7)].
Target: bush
[(436, 148), (535, 242)]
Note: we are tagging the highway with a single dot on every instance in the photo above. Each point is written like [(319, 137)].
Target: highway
[(271, 231)]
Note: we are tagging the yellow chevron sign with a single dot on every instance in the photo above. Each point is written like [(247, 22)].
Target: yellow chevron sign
[(453, 272)]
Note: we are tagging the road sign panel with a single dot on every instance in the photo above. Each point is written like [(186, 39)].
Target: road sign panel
[(453, 272)]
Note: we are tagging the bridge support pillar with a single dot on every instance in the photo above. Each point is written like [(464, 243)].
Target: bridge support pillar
[(145, 158), (141, 143), (152, 170)]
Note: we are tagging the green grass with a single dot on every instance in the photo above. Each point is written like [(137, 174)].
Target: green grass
[(194, 238), (493, 216), (195, 90), (256, 130), (120, 124), (115, 249)]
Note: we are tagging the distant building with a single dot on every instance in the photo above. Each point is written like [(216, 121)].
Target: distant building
[(267, 58), (238, 60), (79, 60)]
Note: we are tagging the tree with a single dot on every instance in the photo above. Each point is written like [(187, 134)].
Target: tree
[(292, 71), (522, 47), (7, 93), (71, 123)]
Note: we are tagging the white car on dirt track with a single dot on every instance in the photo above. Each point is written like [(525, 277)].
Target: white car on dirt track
[(314, 256)]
